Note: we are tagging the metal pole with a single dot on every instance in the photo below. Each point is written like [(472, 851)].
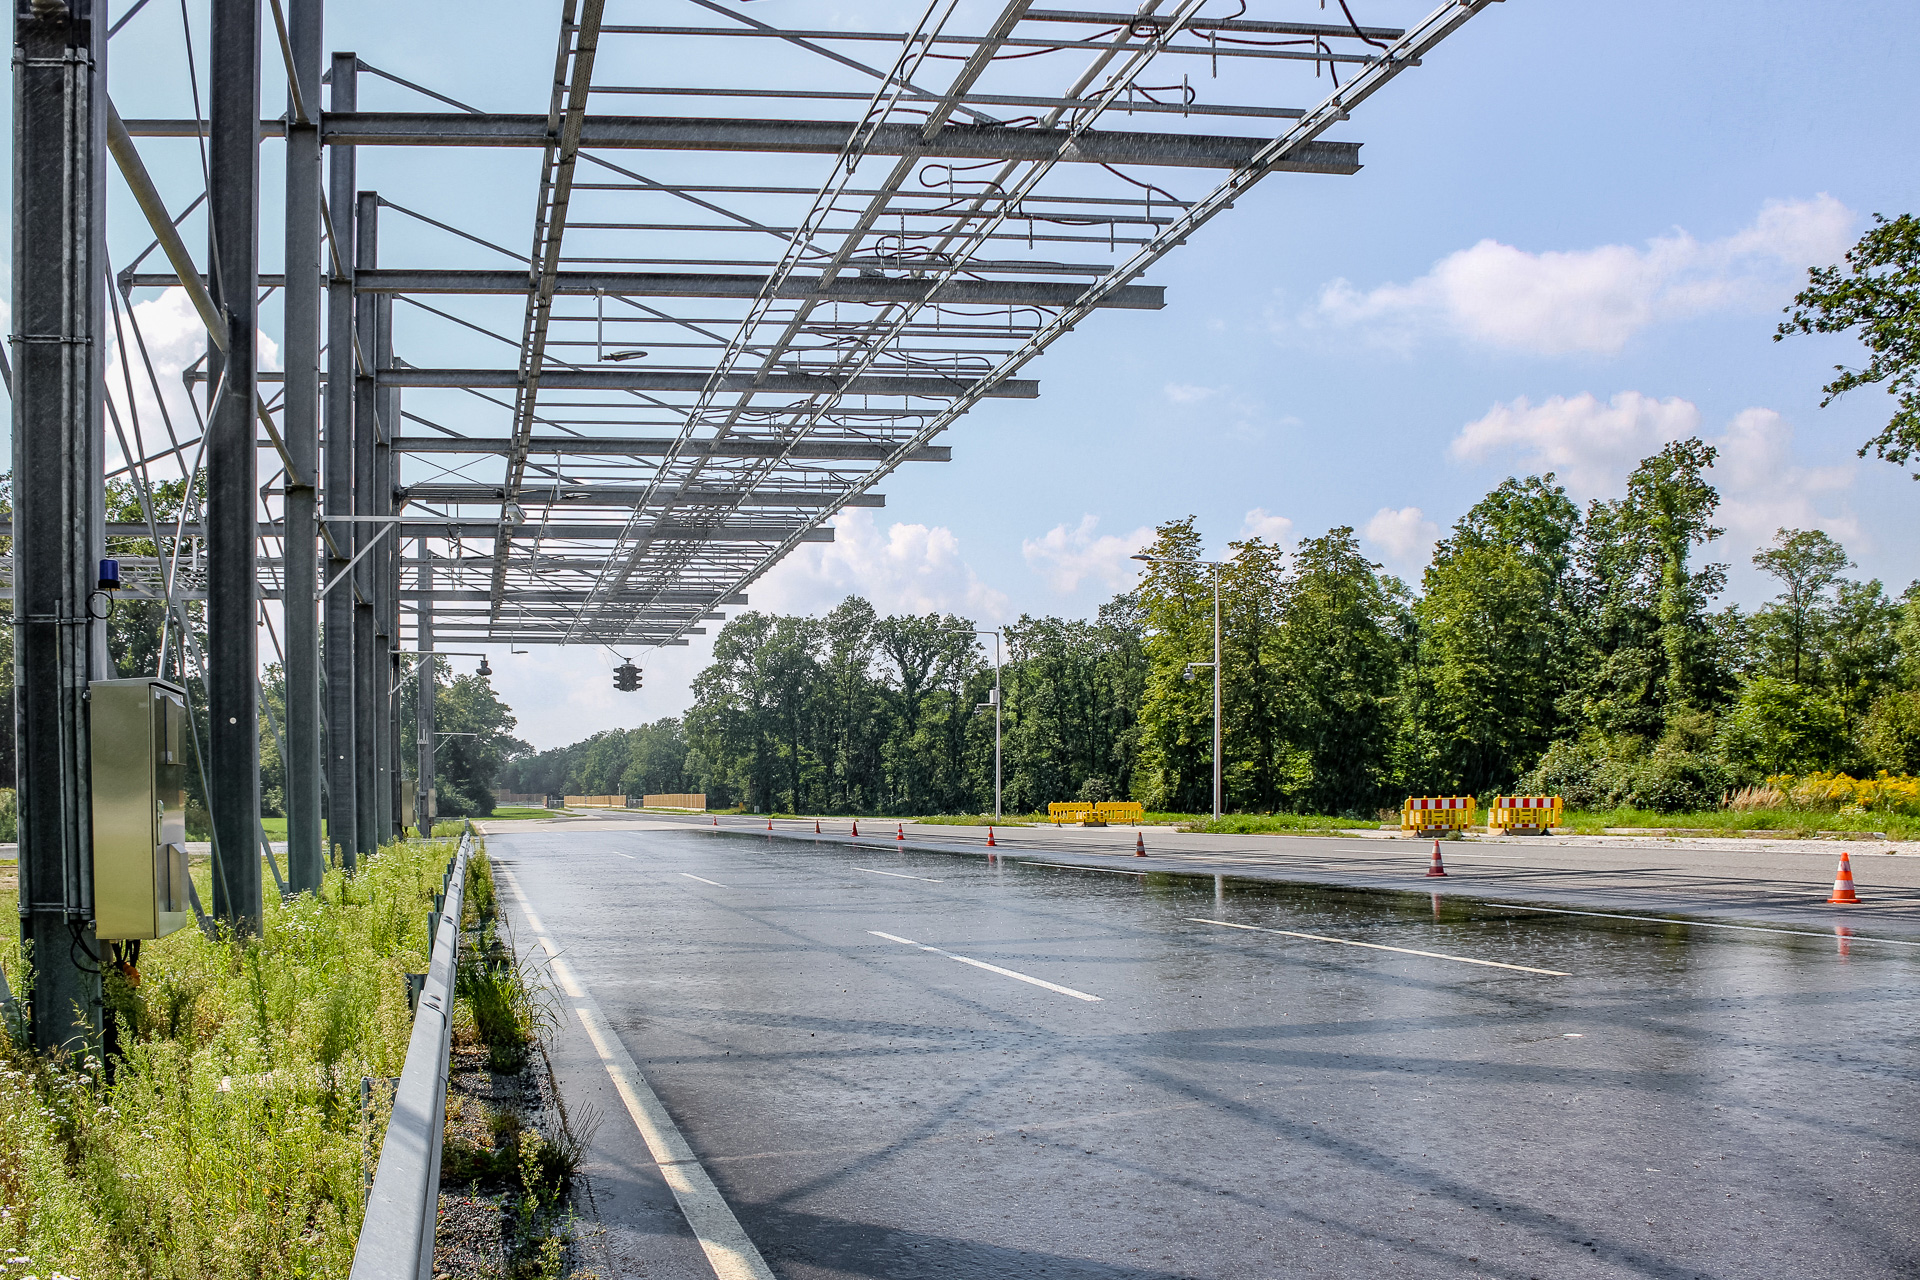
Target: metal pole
[(342, 737), (368, 659), (1216, 692), (996, 724), (383, 567), (423, 694), (59, 180), (306, 859), (232, 467), (386, 593)]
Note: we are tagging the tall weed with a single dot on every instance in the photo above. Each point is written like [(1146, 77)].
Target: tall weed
[(226, 1141)]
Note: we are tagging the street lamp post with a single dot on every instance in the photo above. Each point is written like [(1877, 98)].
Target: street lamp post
[(1216, 566), (995, 704)]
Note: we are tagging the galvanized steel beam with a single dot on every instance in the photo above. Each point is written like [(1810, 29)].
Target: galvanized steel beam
[(306, 859), (59, 248), (232, 462), (343, 753)]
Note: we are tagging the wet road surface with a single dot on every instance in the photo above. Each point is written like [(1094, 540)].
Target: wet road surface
[(901, 1064)]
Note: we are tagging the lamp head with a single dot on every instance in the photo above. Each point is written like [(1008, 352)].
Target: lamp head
[(485, 670)]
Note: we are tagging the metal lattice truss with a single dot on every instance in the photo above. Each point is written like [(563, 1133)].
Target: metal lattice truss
[(746, 304)]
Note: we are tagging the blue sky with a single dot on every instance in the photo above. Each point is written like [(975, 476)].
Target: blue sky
[(1571, 240)]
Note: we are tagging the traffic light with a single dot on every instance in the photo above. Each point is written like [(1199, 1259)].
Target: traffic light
[(626, 677)]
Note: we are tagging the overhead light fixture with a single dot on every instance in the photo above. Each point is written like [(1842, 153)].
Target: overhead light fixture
[(625, 355)]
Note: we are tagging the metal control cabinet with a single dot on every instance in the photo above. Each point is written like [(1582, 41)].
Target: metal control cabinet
[(138, 733)]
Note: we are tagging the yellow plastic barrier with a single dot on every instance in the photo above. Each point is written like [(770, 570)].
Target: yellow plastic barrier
[(1061, 812), (1426, 814), (1121, 811), (1531, 815)]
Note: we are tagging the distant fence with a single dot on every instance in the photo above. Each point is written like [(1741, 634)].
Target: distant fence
[(538, 801), (680, 800), (596, 802)]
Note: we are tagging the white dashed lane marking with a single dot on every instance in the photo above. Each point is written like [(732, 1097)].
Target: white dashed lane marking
[(898, 875), (1379, 946), (990, 968), (703, 880)]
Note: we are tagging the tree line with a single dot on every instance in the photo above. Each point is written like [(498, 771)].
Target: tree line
[(1548, 647)]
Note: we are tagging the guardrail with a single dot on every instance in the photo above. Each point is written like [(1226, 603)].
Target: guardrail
[(396, 1235)]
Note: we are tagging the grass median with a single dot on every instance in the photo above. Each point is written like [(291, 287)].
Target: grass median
[(228, 1139)]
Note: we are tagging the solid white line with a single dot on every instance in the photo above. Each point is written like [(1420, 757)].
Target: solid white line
[(730, 1252), (1705, 924), (1074, 866), (898, 876), (1376, 946), (629, 857), (703, 880), (990, 968)]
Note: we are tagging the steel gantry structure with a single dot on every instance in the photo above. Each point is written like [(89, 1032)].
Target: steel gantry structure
[(769, 263)]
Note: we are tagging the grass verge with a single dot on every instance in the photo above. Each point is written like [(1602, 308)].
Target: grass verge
[(1280, 823), (1804, 823), (228, 1140), (513, 812)]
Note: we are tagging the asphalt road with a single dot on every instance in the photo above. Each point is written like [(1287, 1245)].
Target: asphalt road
[(914, 1064)]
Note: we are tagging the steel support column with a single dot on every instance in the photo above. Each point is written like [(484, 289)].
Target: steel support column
[(384, 565), (306, 860), (59, 180), (342, 672), (423, 697), (367, 666), (232, 467)]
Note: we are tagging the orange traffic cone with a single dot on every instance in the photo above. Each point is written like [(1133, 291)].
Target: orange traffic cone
[(1139, 844), (716, 822), (856, 830), (990, 843), (816, 826), (1843, 882), (1436, 869), (900, 831), (769, 824)]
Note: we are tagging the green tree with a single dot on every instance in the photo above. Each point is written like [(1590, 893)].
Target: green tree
[(1890, 735), (1876, 298), (1652, 648), (1338, 655), (1072, 691), (1807, 563), (1253, 720), (1777, 726), (1497, 637), (477, 743), (1175, 773)]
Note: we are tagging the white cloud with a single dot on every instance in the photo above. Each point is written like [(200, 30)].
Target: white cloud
[(174, 337), (1275, 529), (1591, 446), (1406, 536), (1762, 489), (1187, 393), (1066, 557), (1596, 299), (905, 568)]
